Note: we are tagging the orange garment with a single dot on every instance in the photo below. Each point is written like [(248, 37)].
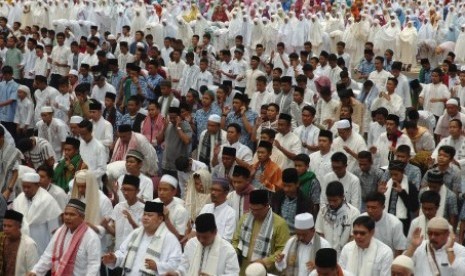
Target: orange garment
[(271, 177)]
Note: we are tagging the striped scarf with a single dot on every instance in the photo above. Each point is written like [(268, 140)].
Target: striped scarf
[(293, 258), (262, 244), (63, 262)]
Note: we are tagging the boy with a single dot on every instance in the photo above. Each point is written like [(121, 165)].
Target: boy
[(110, 113), (204, 77), (309, 184), (239, 198), (266, 174), (369, 175), (412, 172), (84, 76), (62, 101), (81, 106)]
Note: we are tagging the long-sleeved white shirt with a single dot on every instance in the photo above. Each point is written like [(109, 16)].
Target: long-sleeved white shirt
[(24, 115), (224, 218), (60, 54), (422, 266), (94, 156), (352, 188), (56, 133), (87, 260), (355, 142), (292, 143), (122, 226), (390, 231)]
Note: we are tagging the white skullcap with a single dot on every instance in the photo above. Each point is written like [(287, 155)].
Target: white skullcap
[(438, 223), (75, 120), (255, 269), (73, 72), (343, 124), (81, 176), (140, 44), (24, 88), (169, 180), (46, 109), (31, 177), (214, 118), (304, 221), (453, 102), (110, 36), (405, 262)]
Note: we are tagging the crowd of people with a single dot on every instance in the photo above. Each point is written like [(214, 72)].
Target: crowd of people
[(232, 138)]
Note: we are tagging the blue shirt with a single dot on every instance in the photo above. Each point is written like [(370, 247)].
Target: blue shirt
[(115, 80), (143, 86), (251, 117), (87, 79), (201, 118), (8, 91), (366, 67), (152, 82)]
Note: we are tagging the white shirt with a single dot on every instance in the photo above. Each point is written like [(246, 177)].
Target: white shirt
[(175, 71), (43, 98), (56, 133), (259, 99), (291, 142), (204, 78), (87, 260), (379, 79), (390, 230), (308, 135), (422, 266), (64, 104), (165, 54), (102, 130), (145, 188), (352, 188), (382, 145), (98, 93), (237, 203), (374, 132), (60, 54), (40, 67), (394, 106), (251, 76), (89, 59), (229, 68), (59, 195), (24, 115), (403, 90), (122, 226), (303, 254), (355, 142), (124, 59), (320, 164), (243, 152), (382, 260), (29, 61), (178, 215), (94, 156), (434, 91), (224, 217), (189, 78), (326, 110)]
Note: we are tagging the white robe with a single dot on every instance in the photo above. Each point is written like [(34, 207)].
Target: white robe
[(422, 266), (27, 256)]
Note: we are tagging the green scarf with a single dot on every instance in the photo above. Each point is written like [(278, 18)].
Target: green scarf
[(63, 174), (127, 90), (306, 182)]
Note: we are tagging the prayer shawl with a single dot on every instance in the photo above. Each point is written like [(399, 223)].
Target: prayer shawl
[(401, 209), (153, 251), (205, 149), (63, 262), (8, 155), (151, 127), (42, 210), (293, 255), (306, 182), (164, 112), (195, 200), (433, 264), (64, 173), (121, 149), (212, 261), (262, 245), (367, 263), (245, 193)]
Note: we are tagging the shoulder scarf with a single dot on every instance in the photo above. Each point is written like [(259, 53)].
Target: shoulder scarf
[(368, 259), (148, 131), (303, 180), (245, 193), (433, 264), (394, 137), (206, 146), (9, 154), (293, 257), (42, 209), (212, 260), (63, 262), (401, 209), (442, 202), (120, 150), (62, 174), (153, 250), (262, 244)]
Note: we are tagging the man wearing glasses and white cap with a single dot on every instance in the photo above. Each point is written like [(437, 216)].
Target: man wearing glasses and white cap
[(348, 142), (298, 256)]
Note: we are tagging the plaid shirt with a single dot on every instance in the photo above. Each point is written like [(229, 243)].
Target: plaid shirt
[(288, 211)]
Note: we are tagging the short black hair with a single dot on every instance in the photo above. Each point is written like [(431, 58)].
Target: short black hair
[(430, 197), (366, 222), (237, 127), (449, 150), (47, 169), (334, 188), (339, 157), (365, 155), (302, 158), (24, 145), (375, 196)]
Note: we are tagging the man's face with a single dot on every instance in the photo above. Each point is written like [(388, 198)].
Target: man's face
[(213, 127), (335, 202), (435, 78), (262, 154), (11, 228), (239, 183), (232, 135), (305, 236), (259, 211), (151, 220), (429, 209), (206, 238), (443, 158), (125, 136), (454, 129), (207, 100), (344, 133), (452, 109), (324, 143), (339, 168), (438, 237), (46, 117), (166, 192), (44, 179), (71, 218), (60, 40), (378, 65), (227, 160), (217, 194), (297, 97), (283, 126), (364, 164), (301, 167), (397, 270), (286, 87), (391, 127), (129, 192), (375, 210), (362, 235), (69, 151), (290, 189), (30, 189), (132, 165)]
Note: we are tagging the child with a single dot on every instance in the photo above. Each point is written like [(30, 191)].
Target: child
[(204, 77), (309, 184), (62, 101), (24, 114), (109, 112), (265, 173), (84, 76)]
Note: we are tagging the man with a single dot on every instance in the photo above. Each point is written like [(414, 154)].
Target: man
[(456, 140), (149, 250), (377, 126), (334, 220), (429, 201), (403, 87), (320, 161), (102, 129), (53, 130), (369, 175), (92, 152), (261, 96), (402, 266), (19, 251), (176, 69), (46, 174), (8, 98), (189, 75), (252, 76), (210, 139), (36, 151), (44, 95), (422, 140), (434, 95), (228, 162), (101, 86), (386, 144), (352, 188), (326, 264), (284, 99), (390, 100), (290, 201), (239, 199), (452, 112), (69, 165), (207, 253), (379, 76), (308, 132), (59, 60), (287, 141), (365, 255), (389, 228), (179, 134), (133, 116), (348, 142), (298, 256), (10, 166), (243, 152), (224, 214), (40, 210), (440, 255), (80, 246), (130, 140), (254, 245)]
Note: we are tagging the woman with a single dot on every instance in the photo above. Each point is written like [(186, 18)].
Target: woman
[(198, 192)]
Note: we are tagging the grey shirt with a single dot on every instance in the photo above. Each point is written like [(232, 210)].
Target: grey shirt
[(174, 147)]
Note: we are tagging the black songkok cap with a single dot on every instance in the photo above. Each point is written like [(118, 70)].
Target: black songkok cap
[(95, 105), (259, 197), (205, 223), (241, 171), (290, 175), (173, 109), (326, 257), (131, 180), (124, 128), (229, 151), (12, 214), (397, 165), (153, 207), (77, 204), (392, 117), (112, 61)]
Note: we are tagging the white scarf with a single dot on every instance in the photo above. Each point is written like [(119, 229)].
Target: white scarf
[(401, 210), (368, 259), (153, 251), (212, 259), (422, 223), (41, 210)]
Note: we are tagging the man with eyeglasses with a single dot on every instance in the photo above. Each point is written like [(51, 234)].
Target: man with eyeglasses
[(365, 255), (440, 255)]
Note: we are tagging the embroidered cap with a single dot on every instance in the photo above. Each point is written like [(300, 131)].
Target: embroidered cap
[(46, 109), (77, 204), (205, 223), (75, 119), (31, 177), (304, 221), (214, 118), (452, 101), (405, 262), (343, 124), (326, 257)]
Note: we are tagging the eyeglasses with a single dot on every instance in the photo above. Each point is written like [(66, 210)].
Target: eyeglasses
[(361, 233)]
